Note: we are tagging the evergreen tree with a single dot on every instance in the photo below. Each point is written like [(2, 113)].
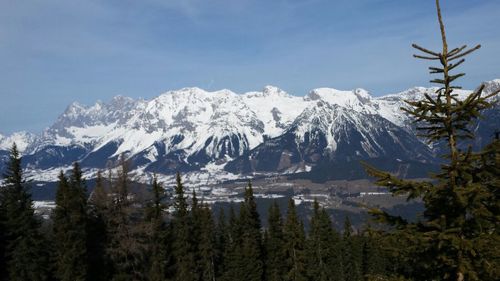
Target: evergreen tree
[(221, 244), (195, 223), (487, 168), (126, 229), (99, 203), (206, 246), (159, 244), (274, 245), (25, 254), (251, 265), (373, 259), (459, 210), (70, 227), (351, 256), (294, 238), (185, 266), (324, 257), (233, 250)]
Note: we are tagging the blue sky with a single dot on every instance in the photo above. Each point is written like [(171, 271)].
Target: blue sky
[(54, 52)]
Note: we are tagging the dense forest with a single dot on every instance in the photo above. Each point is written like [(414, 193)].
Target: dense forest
[(117, 234)]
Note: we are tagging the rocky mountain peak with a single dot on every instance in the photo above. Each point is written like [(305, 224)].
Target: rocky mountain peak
[(191, 128), (273, 90)]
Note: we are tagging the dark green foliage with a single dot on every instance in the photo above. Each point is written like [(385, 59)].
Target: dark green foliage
[(244, 257), (232, 251), (351, 253), (194, 224), (185, 266), (485, 208), (126, 241), (221, 244), (324, 248), (460, 216), (274, 245), (98, 209), (206, 246), (70, 227), (180, 204), (25, 254), (159, 248), (373, 260), (251, 266), (248, 213), (126, 230), (295, 240)]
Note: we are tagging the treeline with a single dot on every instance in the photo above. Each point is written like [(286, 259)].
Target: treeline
[(115, 234)]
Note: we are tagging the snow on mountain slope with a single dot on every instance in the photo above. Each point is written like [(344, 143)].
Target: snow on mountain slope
[(490, 87), (389, 106), (198, 115), (350, 134), (331, 120), (358, 100), (22, 139), (192, 114), (211, 125), (275, 108), (191, 129), (326, 135)]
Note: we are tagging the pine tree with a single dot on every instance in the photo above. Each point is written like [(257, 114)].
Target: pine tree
[(274, 245), (80, 220), (324, 257), (445, 245), (195, 223), (294, 238), (159, 244), (233, 250), (25, 254), (206, 246), (185, 266), (99, 203), (373, 262), (126, 230), (243, 251), (487, 168), (70, 227), (251, 265), (351, 256), (221, 244)]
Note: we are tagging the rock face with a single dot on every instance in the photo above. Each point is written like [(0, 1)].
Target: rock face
[(328, 135), (270, 131)]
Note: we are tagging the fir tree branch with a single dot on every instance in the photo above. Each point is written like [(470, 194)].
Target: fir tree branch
[(425, 50), (464, 53), (425, 58), (452, 66), (384, 217), (456, 51)]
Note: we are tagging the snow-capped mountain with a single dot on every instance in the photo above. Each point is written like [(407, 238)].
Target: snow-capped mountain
[(331, 134), (271, 131), (22, 139), (179, 130)]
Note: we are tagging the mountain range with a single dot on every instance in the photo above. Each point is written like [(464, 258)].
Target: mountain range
[(223, 135)]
